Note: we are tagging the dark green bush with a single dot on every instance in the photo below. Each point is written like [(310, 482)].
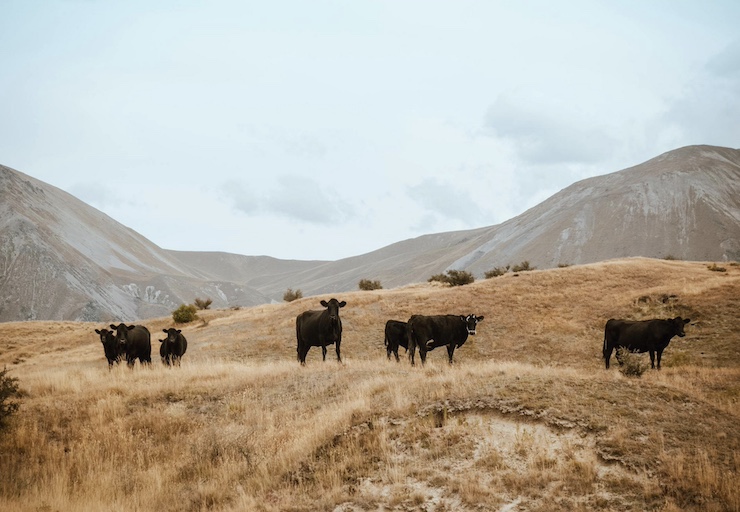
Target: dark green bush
[(714, 268), (454, 278), (184, 314), (496, 272), (367, 285), (523, 267), (203, 304), (290, 295), (8, 391)]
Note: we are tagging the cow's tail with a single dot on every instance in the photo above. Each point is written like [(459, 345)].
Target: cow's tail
[(411, 341), (603, 351), (386, 340)]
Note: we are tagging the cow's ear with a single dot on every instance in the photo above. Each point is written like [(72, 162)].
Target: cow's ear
[(686, 320), (179, 331), (130, 327), (164, 330), (324, 303), (96, 330), (479, 318), (113, 327), (163, 340), (342, 304), (463, 318)]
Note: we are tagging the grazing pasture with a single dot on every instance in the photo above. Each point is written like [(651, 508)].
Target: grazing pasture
[(526, 419)]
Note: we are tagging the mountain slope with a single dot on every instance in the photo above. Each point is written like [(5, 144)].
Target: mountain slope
[(64, 260), (683, 204)]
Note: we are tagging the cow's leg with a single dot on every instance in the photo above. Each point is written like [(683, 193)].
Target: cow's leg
[(423, 354), (450, 351), (652, 359), (660, 355), (396, 354), (412, 351), (302, 353), (323, 351), (339, 357)]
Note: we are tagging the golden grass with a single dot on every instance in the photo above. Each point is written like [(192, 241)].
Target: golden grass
[(527, 417)]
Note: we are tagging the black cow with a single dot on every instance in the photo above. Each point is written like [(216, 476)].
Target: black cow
[(641, 336), (319, 329), (395, 336), (136, 341), (113, 350), (173, 347), (450, 330)]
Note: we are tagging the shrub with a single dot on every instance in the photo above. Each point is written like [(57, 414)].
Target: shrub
[(290, 295), (523, 267), (454, 278), (631, 364), (563, 265), (184, 314), (367, 285), (8, 391), (496, 272), (203, 304), (714, 268)]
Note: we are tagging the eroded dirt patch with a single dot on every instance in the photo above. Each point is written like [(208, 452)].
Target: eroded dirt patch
[(476, 460)]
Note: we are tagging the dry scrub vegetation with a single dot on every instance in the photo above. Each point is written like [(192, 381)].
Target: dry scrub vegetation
[(527, 418)]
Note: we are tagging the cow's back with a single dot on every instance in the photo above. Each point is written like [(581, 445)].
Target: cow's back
[(182, 345), (395, 333), (139, 342), (307, 325)]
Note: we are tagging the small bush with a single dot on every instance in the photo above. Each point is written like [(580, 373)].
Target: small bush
[(203, 304), (632, 365), (714, 268), (496, 272), (290, 295), (184, 314), (523, 267), (563, 265), (367, 285), (454, 278), (8, 391)]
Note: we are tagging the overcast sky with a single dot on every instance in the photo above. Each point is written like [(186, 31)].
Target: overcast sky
[(326, 129)]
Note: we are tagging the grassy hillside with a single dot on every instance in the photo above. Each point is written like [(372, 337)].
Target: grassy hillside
[(527, 418)]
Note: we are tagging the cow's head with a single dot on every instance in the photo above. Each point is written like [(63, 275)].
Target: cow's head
[(106, 336), (471, 321), (333, 308), (677, 324), (110, 347), (171, 334), (122, 332)]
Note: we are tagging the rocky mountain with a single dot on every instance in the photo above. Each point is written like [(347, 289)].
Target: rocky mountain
[(62, 259)]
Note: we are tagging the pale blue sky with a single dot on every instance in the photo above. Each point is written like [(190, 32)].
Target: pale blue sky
[(326, 129)]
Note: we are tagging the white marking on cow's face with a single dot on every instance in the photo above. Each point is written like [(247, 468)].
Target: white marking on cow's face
[(471, 322)]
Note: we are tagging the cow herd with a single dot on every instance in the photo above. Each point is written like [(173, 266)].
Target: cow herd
[(134, 342), (423, 332), (324, 327)]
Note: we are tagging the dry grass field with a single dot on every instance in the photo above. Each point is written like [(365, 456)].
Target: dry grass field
[(526, 419)]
